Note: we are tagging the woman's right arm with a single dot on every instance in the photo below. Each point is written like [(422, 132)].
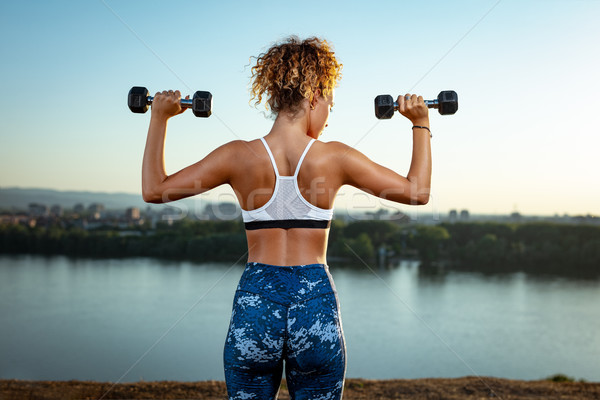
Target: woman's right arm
[(213, 170), (361, 172)]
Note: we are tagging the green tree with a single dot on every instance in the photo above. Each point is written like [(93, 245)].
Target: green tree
[(356, 248), (379, 232), (429, 241)]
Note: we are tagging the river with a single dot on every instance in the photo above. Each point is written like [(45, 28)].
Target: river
[(143, 319)]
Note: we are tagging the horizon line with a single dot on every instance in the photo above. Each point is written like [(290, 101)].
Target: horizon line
[(191, 198)]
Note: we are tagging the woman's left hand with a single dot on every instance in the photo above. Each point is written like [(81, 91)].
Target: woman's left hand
[(167, 104)]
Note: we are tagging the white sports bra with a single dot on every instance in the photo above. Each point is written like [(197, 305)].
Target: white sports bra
[(287, 208)]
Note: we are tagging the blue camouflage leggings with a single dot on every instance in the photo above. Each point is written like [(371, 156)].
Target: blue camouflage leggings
[(291, 314)]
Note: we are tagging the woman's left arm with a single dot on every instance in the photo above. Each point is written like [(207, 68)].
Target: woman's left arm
[(210, 172)]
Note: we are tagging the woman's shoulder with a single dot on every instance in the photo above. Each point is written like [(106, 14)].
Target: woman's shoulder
[(239, 145), (346, 156), (336, 148), (334, 144)]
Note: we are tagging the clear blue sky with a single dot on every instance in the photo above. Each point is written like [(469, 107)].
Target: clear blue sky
[(525, 138)]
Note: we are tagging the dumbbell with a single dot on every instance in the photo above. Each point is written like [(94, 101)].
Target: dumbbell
[(139, 100), (446, 103)]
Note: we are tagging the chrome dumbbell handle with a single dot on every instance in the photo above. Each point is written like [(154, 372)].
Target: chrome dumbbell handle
[(429, 103), (185, 103)]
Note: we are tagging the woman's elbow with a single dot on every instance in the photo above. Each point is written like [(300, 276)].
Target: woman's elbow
[(422, 200), (151, 197)]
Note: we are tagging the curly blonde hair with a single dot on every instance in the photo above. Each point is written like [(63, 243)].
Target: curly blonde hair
[(292, 71)]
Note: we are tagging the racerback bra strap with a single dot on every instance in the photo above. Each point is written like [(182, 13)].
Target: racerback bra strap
[(299, 161), (302, 157), (270, 156)]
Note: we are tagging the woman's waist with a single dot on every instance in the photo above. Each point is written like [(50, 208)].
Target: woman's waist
[(287, 283), (298, 266), (288, 246)]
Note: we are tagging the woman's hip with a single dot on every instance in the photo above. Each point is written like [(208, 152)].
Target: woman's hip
[(287, 285)]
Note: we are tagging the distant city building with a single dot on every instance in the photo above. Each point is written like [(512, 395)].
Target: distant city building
[(17, 219), (132, 214), (222, 211), (148, 211), (515, 217), (38, 210), (452, 215), (384, 214), (56, 210), (79, 208), (399, 217), (464, 215), (96, 208), (378, 215), (586, 219)]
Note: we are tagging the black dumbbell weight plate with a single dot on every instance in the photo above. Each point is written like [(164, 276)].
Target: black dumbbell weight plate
[(202, 104), (137, 100)]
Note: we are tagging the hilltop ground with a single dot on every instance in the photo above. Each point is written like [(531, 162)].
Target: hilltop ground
[(412, 389)]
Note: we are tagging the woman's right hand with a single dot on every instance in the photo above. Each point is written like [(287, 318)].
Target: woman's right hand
[(167, 103), (414, 108)]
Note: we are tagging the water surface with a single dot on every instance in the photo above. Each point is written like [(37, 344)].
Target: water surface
[(134, 319)]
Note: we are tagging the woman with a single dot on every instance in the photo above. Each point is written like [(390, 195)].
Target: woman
[(286, 306)]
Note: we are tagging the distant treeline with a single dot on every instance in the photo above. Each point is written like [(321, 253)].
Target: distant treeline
[(532, 247)]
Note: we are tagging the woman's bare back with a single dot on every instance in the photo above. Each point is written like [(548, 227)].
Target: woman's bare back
[(253, 181)]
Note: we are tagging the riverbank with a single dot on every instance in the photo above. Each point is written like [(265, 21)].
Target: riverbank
[(413, 389)]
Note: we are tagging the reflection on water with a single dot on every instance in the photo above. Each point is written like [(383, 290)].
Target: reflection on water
[(64, 319)]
